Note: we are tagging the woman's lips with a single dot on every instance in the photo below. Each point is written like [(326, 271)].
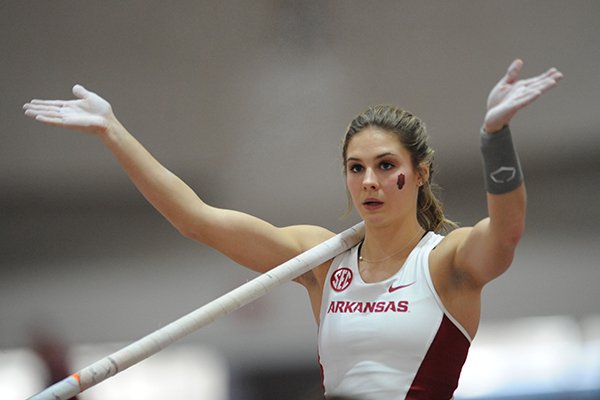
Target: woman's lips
[(372, 204)]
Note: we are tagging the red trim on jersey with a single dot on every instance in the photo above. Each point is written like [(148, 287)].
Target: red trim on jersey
[(437, 377), (322, 374)]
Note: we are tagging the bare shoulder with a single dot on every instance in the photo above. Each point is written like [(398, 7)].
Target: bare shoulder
[(453, 240), (311, 236), (308, 236)]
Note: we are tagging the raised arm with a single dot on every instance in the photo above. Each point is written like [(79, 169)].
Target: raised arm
[(486, 251), (247, 240)]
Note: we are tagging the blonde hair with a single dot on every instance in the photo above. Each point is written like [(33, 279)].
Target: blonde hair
[(411, 132)]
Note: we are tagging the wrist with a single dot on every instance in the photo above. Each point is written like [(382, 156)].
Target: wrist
[(111, 129), (501, 165), (493, 128)]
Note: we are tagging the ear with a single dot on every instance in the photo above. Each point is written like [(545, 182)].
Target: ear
[(423, 172)]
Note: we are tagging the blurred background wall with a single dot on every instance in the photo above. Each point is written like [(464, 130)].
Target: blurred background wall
[(247, 102)]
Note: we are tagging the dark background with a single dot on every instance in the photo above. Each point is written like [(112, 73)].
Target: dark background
[(248, 102)]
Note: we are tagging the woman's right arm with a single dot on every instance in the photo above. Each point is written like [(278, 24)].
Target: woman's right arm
[(245, 239)]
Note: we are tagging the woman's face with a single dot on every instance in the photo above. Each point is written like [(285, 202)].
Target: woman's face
[(380, 176)]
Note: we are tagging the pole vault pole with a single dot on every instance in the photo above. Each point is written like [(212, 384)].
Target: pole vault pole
[(178, 329)]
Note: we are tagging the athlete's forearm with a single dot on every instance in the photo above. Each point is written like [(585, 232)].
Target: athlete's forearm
[(172, 197), (504, 184), (507, 216)]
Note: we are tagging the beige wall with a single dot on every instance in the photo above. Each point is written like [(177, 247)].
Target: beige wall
[(247, 104)]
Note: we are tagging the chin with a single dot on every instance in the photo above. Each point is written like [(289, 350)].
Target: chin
[(373, 219)]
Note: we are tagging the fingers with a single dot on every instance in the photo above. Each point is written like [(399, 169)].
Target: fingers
[(43, 112), (38, 102), (80, 92), (531, 89), (50, 120), (512, 74), (37, 107), (527, 94), (47, 111), (552, 73), (544, 84), (512, 94), (514, 70)]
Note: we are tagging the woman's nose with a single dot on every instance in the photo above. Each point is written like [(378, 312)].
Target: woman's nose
[(370, 180)]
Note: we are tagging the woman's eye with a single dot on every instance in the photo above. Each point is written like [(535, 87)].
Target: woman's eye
[(355, 168), (386, 165)]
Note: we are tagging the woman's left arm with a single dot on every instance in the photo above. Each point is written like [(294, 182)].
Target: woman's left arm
[(486, 251)]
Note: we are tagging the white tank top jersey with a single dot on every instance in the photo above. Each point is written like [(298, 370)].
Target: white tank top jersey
[(391, 339)]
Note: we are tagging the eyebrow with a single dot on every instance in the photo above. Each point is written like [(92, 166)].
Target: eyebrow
[(382, 155)]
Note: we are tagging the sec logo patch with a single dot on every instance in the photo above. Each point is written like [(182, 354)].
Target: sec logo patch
[(340, 279)]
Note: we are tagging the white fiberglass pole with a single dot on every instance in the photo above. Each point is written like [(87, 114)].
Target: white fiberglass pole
[(178, 329)]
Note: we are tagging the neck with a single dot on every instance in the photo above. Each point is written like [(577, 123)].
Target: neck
[(389, 241)]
